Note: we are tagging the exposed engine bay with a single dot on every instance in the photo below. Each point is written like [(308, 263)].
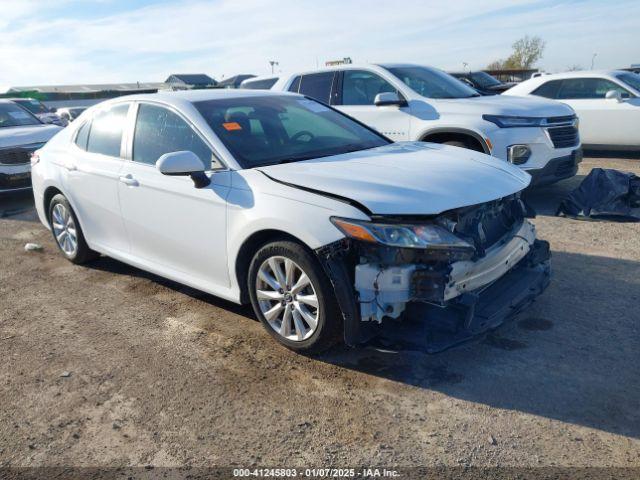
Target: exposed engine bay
[(489, 268)]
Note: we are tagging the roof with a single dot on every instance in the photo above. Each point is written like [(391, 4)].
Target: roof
[(101, 87), (191, 79), (580, 73)]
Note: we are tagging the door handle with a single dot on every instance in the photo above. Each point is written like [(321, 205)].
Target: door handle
[(129, 181), (70, 167)]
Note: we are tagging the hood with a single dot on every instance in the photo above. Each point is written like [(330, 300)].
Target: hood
[(507, 105), (406, 178), (25, 135)]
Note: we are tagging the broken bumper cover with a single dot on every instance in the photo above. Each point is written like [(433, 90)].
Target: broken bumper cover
[(431, 327)]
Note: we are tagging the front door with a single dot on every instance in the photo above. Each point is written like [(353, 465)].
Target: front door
[(359, 90), (175, 227)]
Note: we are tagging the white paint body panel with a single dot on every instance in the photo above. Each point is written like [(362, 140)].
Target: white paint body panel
[(602, 121)]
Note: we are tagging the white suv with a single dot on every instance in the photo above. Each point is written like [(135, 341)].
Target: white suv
[(414, 102)]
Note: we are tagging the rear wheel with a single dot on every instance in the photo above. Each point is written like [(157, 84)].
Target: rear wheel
[(293, 298), (67, 232)]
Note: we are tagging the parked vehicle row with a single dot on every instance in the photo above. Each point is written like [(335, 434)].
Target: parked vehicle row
[(329, 229), (482, 82), (606, 102), (21, 133), (40, 110), (413, 102)]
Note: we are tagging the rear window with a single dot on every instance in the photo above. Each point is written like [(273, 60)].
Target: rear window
[(317, 86), (548, 90), (105, 136)]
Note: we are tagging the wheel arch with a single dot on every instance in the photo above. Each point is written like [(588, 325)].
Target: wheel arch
[(50, 192), (248, 249), (439, 135)]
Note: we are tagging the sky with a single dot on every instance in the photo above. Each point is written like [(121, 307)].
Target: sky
[(46, 42)]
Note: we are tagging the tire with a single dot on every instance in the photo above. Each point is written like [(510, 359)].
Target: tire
[(67, 232), (290, 321)]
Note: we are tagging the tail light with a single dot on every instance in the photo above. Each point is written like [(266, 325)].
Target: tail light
[(35, 158)]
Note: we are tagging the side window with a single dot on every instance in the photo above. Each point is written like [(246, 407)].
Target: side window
[(587, 88), (105, 136), (83, 135), (159, 131), (549, 89), (360, 87), (317, 86), (295, 85)]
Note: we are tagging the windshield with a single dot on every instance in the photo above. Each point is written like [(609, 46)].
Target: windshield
[(277, 129), (34, 106), (484, 80), (432, 83), (631, 79), (13, 116)]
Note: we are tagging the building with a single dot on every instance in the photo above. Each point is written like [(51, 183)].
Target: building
[(81, 95), (187, 81)]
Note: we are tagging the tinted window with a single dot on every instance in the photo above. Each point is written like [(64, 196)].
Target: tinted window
[(587, 88), (276, 129), (295, 85), (83, 135), (159, 131), (549, 89), (105, 136), (317, 85), (432, 83), (631, 79), (360, 87)]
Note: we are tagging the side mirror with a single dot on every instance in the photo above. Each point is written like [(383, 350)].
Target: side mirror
[(613, 95), (389, 98), (182, 164)]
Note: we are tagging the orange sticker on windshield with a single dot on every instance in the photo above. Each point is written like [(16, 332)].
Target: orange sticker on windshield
[(232, 126)]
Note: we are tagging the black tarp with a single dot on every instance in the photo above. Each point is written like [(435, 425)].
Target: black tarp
[(605, 193)]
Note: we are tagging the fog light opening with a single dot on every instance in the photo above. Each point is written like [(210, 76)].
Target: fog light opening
[(518, 154)]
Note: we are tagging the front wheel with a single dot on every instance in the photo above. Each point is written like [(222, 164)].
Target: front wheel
[(293, 297)]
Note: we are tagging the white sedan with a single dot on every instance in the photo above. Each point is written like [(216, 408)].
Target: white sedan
[(607, 104), (326, 227)]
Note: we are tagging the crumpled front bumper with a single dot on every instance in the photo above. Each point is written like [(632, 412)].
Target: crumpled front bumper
[(431, 328)]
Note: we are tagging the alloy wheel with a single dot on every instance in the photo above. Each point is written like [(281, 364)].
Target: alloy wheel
[(64, 229), (287, 298)]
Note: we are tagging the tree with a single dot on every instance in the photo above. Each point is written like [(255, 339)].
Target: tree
[(526, 52)]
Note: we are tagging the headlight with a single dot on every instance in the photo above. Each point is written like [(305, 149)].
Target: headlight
[(505, 121), (402, 235)]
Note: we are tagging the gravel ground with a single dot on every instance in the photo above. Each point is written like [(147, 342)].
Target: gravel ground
[(106, 365)]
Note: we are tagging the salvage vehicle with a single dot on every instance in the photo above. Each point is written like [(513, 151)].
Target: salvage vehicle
[(69, 114), (259, 83), (606, 102), (414, 102), (20, 135), (40, 110), (329, 229)]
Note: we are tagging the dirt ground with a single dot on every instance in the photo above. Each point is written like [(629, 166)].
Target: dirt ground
[(106, 365)]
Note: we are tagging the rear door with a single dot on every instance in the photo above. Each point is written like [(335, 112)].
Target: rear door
[(602, 121), (93, 170), (357, 90), (172, 225)]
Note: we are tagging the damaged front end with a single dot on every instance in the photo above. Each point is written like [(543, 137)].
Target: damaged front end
[(428, 283)]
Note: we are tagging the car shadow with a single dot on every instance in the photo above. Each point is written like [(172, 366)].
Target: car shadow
[(632, 155), (546, 199), (18, 206)]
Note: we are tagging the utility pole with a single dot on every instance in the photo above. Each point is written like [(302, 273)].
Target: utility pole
[(273, 63), (465, 66), (593, 59)]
